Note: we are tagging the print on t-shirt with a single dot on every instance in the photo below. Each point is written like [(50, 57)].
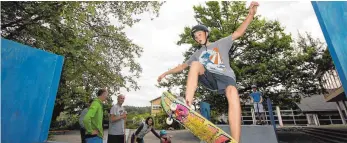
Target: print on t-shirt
[(212, 61)]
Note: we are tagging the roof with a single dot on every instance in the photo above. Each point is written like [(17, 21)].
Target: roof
[(316, 103), (155, 99), (159, 97)]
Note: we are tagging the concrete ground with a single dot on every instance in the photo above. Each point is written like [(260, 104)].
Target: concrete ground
[(184, 136), (75, 136), (179, 136)]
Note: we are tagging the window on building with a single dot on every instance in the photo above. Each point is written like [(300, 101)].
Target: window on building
[(156, 107)]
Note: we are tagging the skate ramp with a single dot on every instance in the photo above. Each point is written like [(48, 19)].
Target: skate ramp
[(254, 133), (249, 134), (29, 84)]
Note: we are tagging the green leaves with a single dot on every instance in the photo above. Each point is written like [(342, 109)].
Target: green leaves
[(96, 51)]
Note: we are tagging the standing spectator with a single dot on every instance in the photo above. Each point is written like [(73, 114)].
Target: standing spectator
[(257, 100), (94, 117), (116, 124), (82, 128)]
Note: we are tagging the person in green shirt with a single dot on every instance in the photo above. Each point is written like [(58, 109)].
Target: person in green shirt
[(83, 113), (93, 119)]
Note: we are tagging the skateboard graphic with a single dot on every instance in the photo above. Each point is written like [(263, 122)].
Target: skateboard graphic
[(202, 128)]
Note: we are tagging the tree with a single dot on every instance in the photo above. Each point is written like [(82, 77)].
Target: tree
[(137, 110), (95, 51), (264, 56), (315, 61)]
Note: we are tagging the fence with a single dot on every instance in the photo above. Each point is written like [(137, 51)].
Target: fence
[(290, 117)]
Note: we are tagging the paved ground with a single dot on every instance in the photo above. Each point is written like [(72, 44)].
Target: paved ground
[(184, 136), (180, 136), (75, 136)]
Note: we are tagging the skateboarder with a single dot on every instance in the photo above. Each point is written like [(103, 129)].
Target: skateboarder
[(94, 117), (144, 128), (257, 100), (210, 66)]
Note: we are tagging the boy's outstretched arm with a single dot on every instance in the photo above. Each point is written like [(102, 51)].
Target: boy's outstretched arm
[(241, 30), (177, 69)]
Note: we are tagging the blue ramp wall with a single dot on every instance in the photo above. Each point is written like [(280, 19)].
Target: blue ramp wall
[(332, 17), (29, 84)]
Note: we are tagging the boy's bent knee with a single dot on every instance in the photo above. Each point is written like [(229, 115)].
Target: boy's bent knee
[(198, 66), (231, 90)]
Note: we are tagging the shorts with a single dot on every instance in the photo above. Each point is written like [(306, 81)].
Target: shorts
[(115, 138), (216, 82), (94, 140), (258, 107)]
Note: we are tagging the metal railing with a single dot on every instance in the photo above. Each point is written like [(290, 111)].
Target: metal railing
[(331, 81), (289, 117)]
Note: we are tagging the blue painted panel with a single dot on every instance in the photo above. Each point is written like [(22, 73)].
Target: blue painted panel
[(332, 17), (29, 84)]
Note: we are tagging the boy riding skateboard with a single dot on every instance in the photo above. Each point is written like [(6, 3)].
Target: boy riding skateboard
[(210, 66)]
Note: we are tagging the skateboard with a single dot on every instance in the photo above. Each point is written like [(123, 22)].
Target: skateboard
[(202, 128)]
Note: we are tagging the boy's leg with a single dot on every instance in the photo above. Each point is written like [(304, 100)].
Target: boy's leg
[(234, 112), (83, 133), (262, 113), (195, 70), (263, 118), (259, 112)]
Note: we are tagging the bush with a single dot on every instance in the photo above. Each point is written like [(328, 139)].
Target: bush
[(66, 122), (160, 122)]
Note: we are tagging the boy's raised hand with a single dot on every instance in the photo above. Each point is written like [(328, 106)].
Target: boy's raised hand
[(161, 77), (253, 8)]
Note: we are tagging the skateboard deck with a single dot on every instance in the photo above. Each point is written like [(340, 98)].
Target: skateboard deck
[(202, 128)]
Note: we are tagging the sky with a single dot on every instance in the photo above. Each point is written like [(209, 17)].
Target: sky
[(158, 38)]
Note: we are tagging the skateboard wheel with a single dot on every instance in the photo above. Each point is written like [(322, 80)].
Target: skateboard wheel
[(169, 121), (173, 107)]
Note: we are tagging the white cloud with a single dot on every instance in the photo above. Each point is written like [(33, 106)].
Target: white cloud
[(158, 37), (294, 16)]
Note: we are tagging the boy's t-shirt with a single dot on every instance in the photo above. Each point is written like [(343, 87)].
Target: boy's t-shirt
[(215, 58), (256, 96)]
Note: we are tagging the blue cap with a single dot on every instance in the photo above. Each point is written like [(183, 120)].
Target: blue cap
[(162, 132)]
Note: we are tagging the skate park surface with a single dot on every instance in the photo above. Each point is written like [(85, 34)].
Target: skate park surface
[(250, 134)]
